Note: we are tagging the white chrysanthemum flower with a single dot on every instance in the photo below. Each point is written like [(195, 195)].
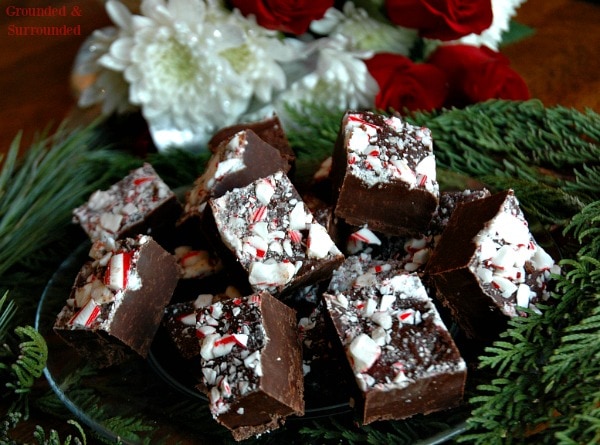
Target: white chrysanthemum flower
[(194, 67), (503, 11), (258, 60), (340, 78), (363, 32), (170, 57), (109, 87)]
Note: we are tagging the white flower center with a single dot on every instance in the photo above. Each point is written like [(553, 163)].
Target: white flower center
[(239, 57), (175, 62)]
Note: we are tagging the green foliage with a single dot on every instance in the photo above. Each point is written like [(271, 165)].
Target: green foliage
[(7, 312), (549, 370), (516, 31), (29, 362), (54, 439)]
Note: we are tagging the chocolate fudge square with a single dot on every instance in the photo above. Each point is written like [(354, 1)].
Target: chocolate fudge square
[(271, 233), (251, 360), (487, 264), (268, 129), (141, 202), (384, 174), (403, 358), (117, 301), (237, 161)]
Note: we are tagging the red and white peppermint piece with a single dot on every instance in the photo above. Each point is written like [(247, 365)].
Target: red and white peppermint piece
[(504, 285), (256, 246), (253, 362), (364, 352), (261, 229), (299, 217), (204, 331), (86, 315), (382, 318), (295, 236), (264, 275), (523, 295), (143, 180), (369, 307), (319, 242), (357, 120), (117, 272), (386, 302), (210, 375), (188, 319), (399, 374), (225, 387), (409, 316), (380, 336), (259, 214), (264, 191), (110, 222), (203, 300), (366, 236)]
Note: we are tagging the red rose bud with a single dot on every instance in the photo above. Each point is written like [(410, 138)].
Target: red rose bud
[(282, 15), (441, 19), (404, 84), (476, 74)]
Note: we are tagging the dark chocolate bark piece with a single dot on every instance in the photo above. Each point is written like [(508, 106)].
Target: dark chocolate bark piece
[(487, 264), (271, 233), (384, 174), (141, 202), (403, 358), (251, 363), (117, 301), (237, 161)]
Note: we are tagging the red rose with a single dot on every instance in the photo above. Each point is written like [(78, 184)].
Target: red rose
[(441, 19), (477, 74), (405, 84), (292, 17)]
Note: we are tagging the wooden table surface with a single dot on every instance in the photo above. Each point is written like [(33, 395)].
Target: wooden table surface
[(560, 62)]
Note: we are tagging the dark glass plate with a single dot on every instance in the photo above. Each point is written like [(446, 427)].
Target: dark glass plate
[(154, 400)]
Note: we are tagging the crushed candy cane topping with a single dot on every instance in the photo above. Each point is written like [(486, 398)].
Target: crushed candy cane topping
[(271, 231), (126, 203), (391, 331), (230, 349), (228, 160), (384, 149), (103, 282), (509, 263)]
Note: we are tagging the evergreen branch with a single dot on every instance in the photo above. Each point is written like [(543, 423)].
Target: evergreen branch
[(38, 192), (585, 226), (7, 312), (54, 439), (21, 375), (128, 428)]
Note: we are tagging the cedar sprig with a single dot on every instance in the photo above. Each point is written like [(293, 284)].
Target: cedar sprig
[(53, 437)]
